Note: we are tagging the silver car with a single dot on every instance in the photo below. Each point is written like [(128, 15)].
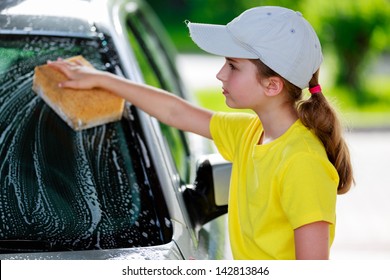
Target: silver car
[(132, 189)]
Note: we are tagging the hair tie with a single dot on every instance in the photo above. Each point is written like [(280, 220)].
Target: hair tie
[(315, 89)]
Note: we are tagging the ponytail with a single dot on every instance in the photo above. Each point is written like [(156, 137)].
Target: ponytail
[(318, 115)]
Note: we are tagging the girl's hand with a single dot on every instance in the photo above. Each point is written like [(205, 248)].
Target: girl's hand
[(79, 76)]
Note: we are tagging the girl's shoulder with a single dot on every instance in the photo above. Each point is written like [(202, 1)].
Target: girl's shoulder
[(240, 119)]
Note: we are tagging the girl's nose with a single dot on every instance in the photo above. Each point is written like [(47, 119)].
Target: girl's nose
[(220, 75)]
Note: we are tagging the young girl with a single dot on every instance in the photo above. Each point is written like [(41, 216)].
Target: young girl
[(289, 159)]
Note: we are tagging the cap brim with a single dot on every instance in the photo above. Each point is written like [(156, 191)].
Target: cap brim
[(216, 39)]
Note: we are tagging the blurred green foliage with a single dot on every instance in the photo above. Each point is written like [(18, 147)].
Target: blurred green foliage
[(354, 35), (356, 32), (174, 13)]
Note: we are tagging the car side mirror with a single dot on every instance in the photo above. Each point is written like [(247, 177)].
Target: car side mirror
[(208, 197)]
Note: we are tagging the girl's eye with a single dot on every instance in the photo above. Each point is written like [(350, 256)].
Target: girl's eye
[(232, 66)]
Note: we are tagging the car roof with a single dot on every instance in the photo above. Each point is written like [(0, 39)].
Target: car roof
[(54, 17)]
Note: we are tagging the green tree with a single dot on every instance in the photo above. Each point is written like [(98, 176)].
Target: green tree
[(356, 31)]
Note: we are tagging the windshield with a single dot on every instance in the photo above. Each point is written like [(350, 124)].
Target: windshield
[(67, 190)]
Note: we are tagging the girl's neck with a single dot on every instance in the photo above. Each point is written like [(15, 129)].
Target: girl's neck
[(276, 123)]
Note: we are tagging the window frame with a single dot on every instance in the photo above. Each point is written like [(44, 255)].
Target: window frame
[(170, 81)]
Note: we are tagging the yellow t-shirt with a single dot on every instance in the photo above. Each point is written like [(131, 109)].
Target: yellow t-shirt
[(276, 187)]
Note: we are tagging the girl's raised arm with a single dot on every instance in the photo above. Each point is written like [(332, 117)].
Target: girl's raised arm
[(164, 106)]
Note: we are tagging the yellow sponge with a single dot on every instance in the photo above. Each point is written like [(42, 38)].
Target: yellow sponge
[(80, 109)]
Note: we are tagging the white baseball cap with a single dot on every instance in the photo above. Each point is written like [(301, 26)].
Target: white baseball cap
[(281, 38)]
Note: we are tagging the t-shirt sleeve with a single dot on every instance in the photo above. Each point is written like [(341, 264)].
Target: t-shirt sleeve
[(227, 129), (309, 190)]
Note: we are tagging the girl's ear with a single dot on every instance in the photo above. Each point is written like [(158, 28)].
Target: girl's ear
[(274, 86)]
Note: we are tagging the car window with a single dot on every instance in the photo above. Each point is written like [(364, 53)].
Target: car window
[(158, 70), (67, 190)]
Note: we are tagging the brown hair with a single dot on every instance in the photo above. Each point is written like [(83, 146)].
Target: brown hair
[(318, 115)]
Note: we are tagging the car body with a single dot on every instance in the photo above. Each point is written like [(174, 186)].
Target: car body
[(132, 189)]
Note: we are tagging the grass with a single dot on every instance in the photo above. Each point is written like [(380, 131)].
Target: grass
[(212, 98), (374, 112)]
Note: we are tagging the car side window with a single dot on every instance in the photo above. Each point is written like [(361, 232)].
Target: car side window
[(158, 70)]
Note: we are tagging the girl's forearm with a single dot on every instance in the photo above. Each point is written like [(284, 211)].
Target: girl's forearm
[(164, 106)]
